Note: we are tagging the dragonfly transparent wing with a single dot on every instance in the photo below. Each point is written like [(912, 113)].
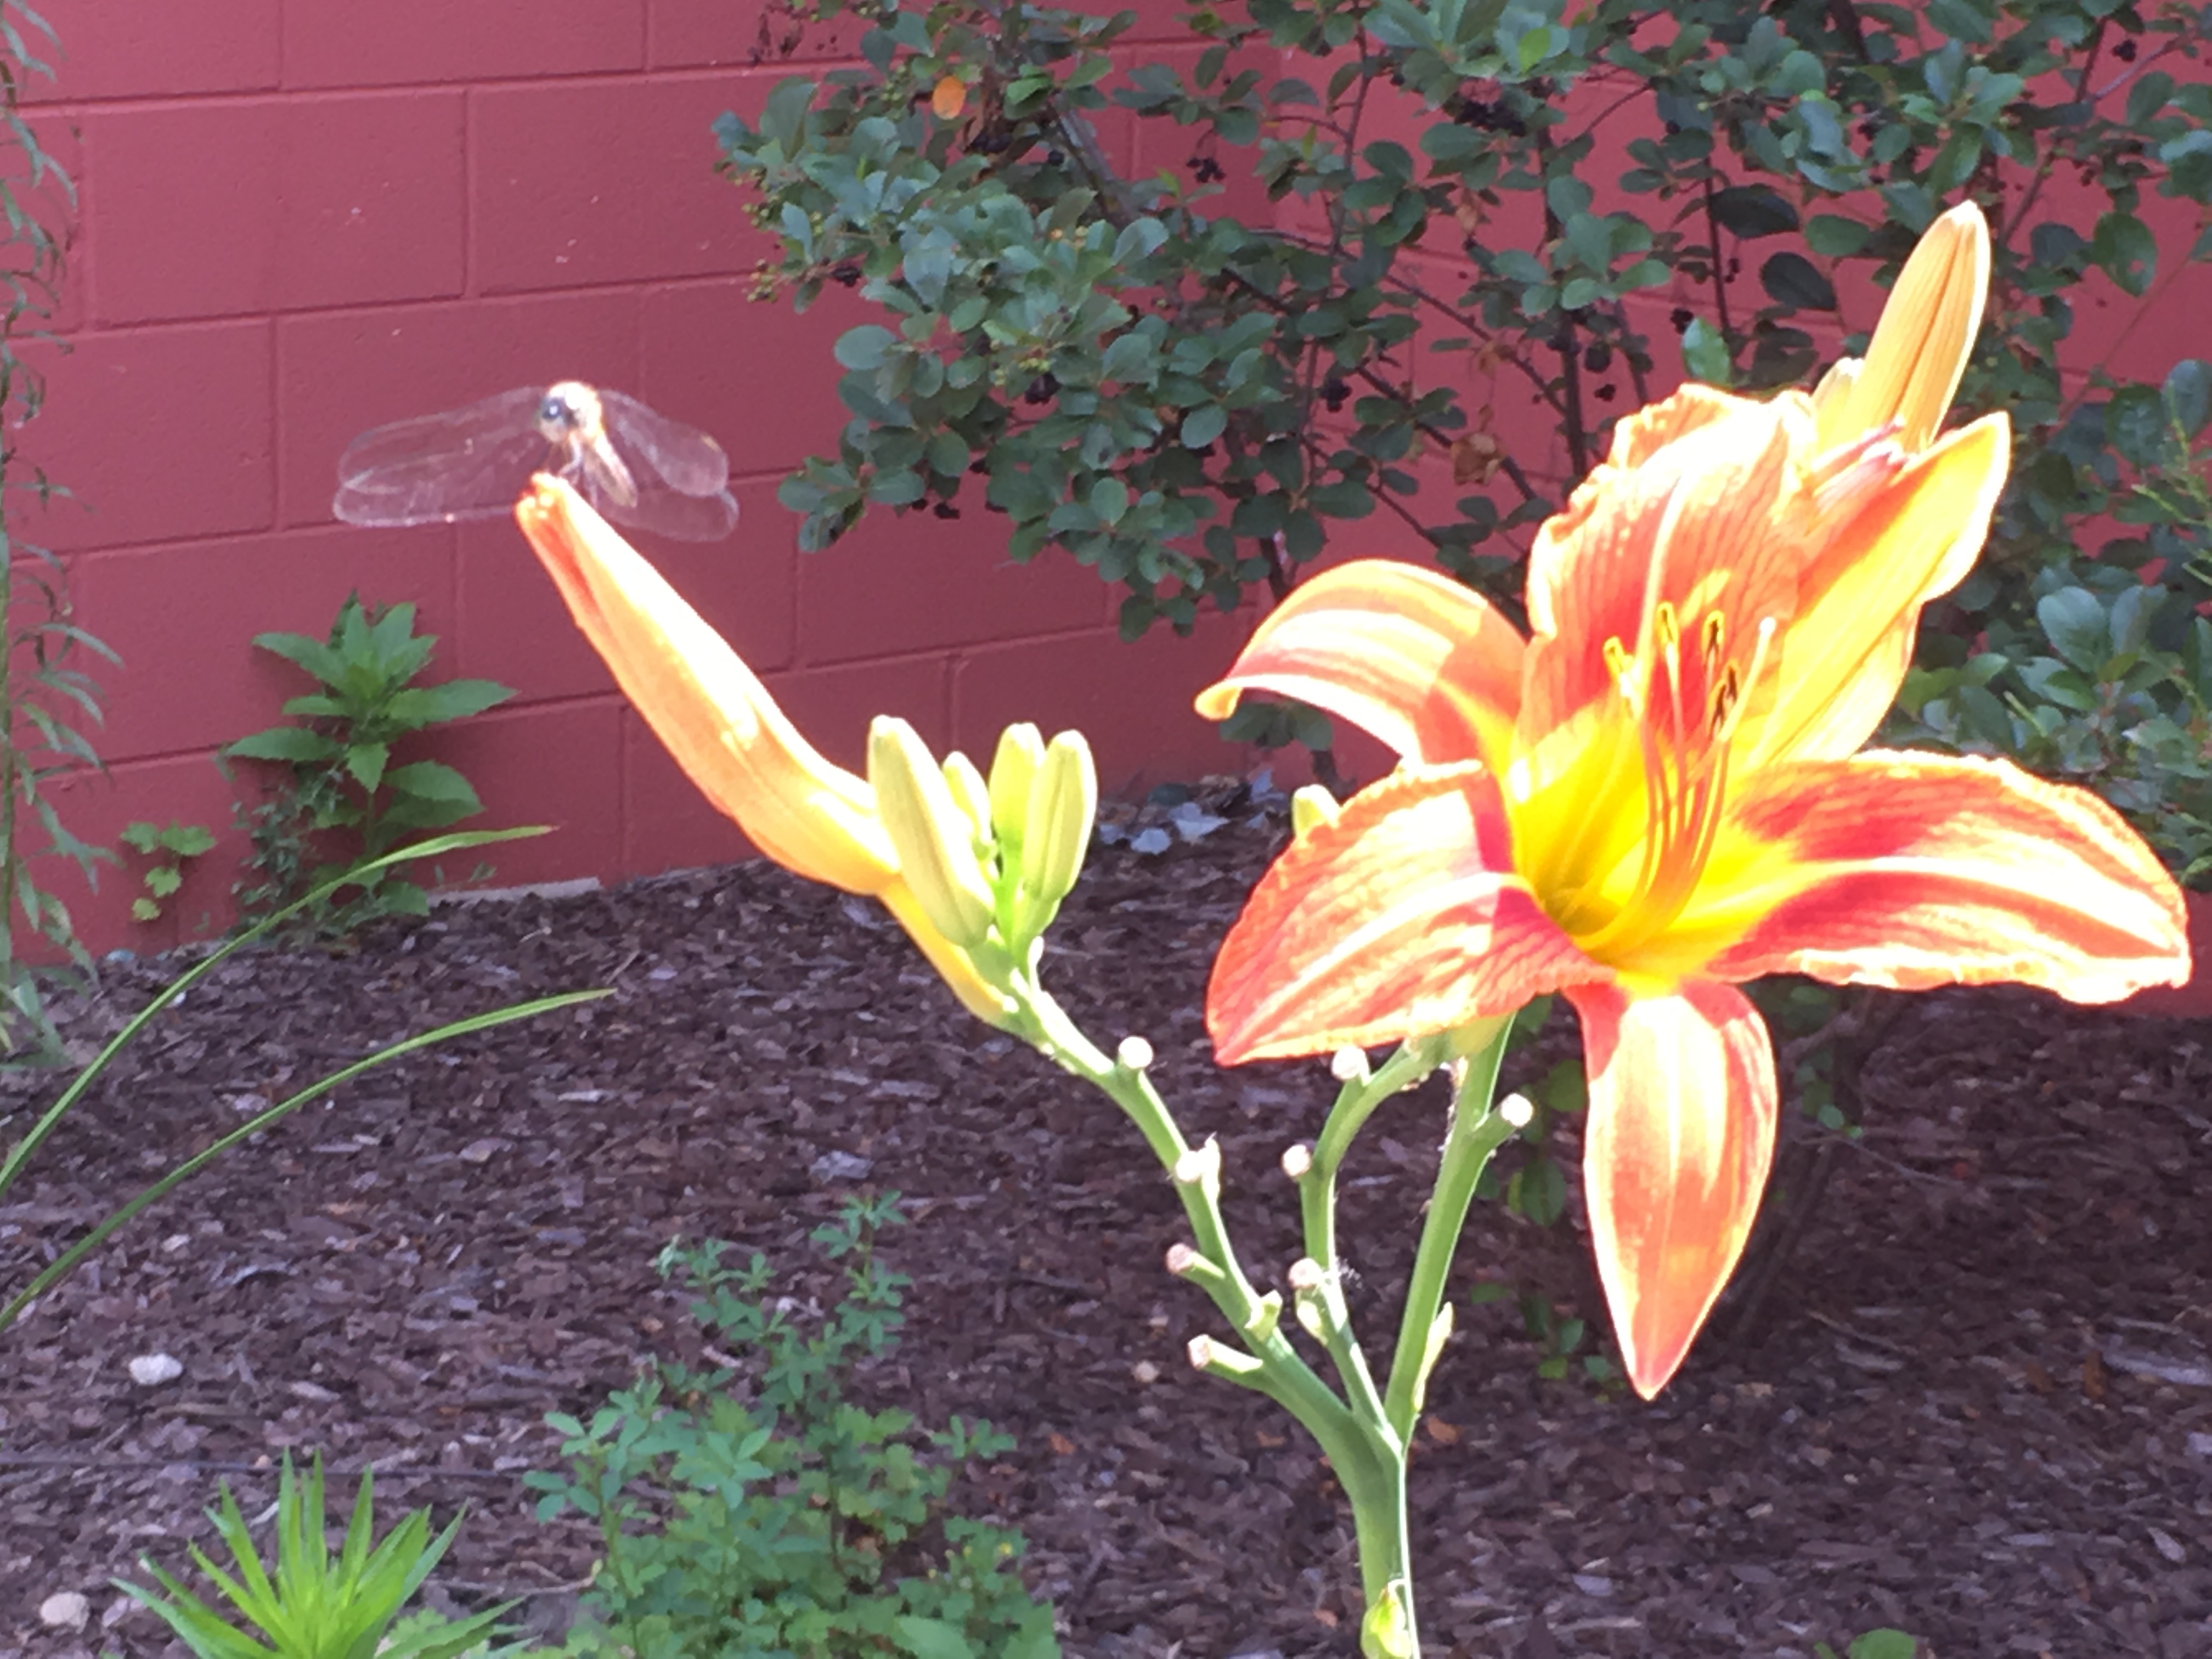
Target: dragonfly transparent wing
[(684, 458), (667, 512), (472, 463), (679, 472), (463, 464)]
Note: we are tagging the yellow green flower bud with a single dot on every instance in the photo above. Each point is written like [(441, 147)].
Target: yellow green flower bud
[(1063, 800), (1013, 770), (973, 796), (1311, 807), (933, 838)]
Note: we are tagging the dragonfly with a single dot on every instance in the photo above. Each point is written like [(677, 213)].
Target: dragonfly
[(634, 465)]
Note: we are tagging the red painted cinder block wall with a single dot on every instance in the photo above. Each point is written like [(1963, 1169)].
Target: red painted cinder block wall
[(300, 219)]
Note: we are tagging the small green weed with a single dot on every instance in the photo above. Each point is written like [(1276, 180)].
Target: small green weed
[(343, 783), (795, 1522), (313, 1607), (167, 849)]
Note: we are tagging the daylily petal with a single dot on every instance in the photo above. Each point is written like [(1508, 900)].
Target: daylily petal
[(1404, 653), (952, 963), (1843, 655), (1704, 523), (712, 712), (1920, 346), (1910, 871), (1680, 1131), (1401, 917)]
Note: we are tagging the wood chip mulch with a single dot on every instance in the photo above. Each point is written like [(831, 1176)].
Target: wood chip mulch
[(1976, 1403)]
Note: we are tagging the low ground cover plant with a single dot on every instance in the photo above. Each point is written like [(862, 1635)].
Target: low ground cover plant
[(759, 1508)]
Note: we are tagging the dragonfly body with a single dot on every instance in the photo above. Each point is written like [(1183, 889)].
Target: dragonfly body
[(637, 466)]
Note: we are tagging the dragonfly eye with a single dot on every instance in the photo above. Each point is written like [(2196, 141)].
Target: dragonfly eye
[(555, 411)]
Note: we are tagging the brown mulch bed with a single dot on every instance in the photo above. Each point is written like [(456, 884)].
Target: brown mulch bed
[(1976, 1402)]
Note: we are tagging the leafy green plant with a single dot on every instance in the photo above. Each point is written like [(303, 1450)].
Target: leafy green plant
[(44, 694), (343, 782), (2115, 693), (1874, 1645), (19, 1155), (314, 1607), (1192, 391), (167, 849), (794, 1522)]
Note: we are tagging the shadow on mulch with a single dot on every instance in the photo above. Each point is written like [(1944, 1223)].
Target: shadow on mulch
[(1978, 1405)]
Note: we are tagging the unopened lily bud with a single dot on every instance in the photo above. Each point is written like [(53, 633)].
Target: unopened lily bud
[(971, 794), (1063, 802), (1348, 1064), (1298, 1159), (1306, 1274), (932, 836), (1517, 1110), (1014, 772), (1311, 807), (1134, 1054)]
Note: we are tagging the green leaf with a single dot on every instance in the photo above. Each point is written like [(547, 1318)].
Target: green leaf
[(1793, 280), (1705, 354), (2135, 423), (2189, 395), (931, 1638), (1203, 425), (366, 762), (2076, 626), (1109, 500), (1834, 237), (285, 743), (432, 781), (2124, 250), (1751, 210), (415, 707), (865, 347)]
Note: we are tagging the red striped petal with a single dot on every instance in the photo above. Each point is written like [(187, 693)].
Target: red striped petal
[(1401, 917), (1713, 523), (1682, 1111), (1910, 871), (1422, 664)]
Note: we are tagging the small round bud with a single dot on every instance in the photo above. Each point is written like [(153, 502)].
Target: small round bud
[(1134, 1054), (1348, 1064), (1199, 1165), (1182, 1259), (1306, 1274), (1310, 808), (1517, 1110), (1298, 1159)]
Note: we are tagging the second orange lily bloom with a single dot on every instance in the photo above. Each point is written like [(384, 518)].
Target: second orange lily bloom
[(1657, 795), (723, 728)]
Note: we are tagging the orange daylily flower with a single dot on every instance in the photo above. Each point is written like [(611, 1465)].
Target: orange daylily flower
[(721, 726), (1656, 796)]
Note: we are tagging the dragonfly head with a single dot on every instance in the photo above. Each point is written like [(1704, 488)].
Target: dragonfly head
[(569, 411)]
